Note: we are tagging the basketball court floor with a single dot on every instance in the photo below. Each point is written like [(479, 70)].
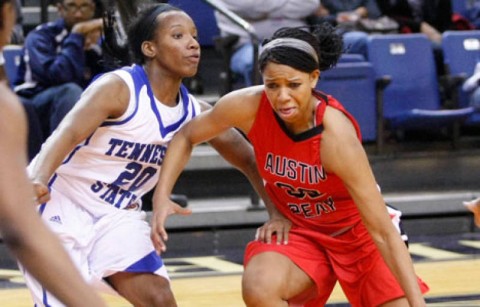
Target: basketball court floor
[(450, 264)]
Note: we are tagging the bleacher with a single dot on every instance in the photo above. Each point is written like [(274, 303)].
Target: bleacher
[(419, 170)]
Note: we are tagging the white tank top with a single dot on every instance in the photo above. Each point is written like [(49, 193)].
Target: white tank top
[(121, 160)]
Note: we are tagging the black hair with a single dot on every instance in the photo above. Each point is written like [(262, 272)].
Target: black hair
[(141, 27), (327, 44)]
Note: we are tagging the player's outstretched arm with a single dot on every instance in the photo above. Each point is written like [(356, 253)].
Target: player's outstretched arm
[(37, 249)]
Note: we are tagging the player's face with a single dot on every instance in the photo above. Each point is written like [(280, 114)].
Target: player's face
[(176, 47), (290, 94), (7, 23)]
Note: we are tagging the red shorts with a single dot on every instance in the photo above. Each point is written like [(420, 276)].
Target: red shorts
[(352, 258)]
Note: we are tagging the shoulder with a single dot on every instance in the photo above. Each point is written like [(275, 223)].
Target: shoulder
[(44, 33), (239, 107), (48, 28), (337, 123), (247, 94), (339, 139), (242, 100), (109, 85), (112, 78)]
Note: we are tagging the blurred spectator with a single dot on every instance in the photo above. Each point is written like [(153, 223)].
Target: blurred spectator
[(472, 13), (345, 15), (430, 17), (17, 31), (58, 61), (472, 86), (265, 16)]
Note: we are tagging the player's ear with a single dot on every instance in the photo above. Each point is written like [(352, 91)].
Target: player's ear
[(148, 49), (314, 75)]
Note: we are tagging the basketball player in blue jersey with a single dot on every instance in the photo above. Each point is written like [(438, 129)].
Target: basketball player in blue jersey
[(92, 172), (23, 232)]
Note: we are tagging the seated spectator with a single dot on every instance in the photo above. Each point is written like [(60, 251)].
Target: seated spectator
[(431, 18), (344, 15), (265, 17), (17, 31), (472, 86), (472, 13), (419, 16), (58, 61)]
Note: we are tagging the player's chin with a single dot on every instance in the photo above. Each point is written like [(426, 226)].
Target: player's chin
[(190, 71)]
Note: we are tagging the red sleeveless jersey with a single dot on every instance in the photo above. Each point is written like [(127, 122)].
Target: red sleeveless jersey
[(291, 166)]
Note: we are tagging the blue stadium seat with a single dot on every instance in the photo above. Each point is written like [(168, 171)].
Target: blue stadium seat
[(461, 52), (460, 6), (353, 85), (204, 18), (12, 54), (412, 101), (351, 57)]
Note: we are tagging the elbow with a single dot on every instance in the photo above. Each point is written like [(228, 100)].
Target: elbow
[(248, 166)]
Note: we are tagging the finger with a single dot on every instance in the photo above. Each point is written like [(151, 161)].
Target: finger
[(162, 238), (41, 190), (182, 211), (286, 231), (163, 235), (268, 234), (280, 235), (261, 234), (43, 198), (158, 244)]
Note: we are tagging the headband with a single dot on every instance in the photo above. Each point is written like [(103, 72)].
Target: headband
[(150, 19), (291, 43)]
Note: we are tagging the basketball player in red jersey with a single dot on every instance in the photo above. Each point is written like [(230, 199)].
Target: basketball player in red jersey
[(309, 152)]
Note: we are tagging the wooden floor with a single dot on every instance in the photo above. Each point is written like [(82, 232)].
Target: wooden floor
[(450, 280), (449, 264)]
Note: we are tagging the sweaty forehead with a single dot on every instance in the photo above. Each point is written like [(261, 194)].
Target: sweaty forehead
[(274, 71)]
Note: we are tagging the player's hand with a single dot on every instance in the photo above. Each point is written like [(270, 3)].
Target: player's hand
[(42, 192), (92, 39), (161, 211), (277, 225)]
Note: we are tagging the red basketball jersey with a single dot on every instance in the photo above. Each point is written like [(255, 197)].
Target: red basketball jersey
[(291, 166)]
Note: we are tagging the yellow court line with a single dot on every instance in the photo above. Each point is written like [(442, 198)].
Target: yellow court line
[(470, 243), (423, 250)]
